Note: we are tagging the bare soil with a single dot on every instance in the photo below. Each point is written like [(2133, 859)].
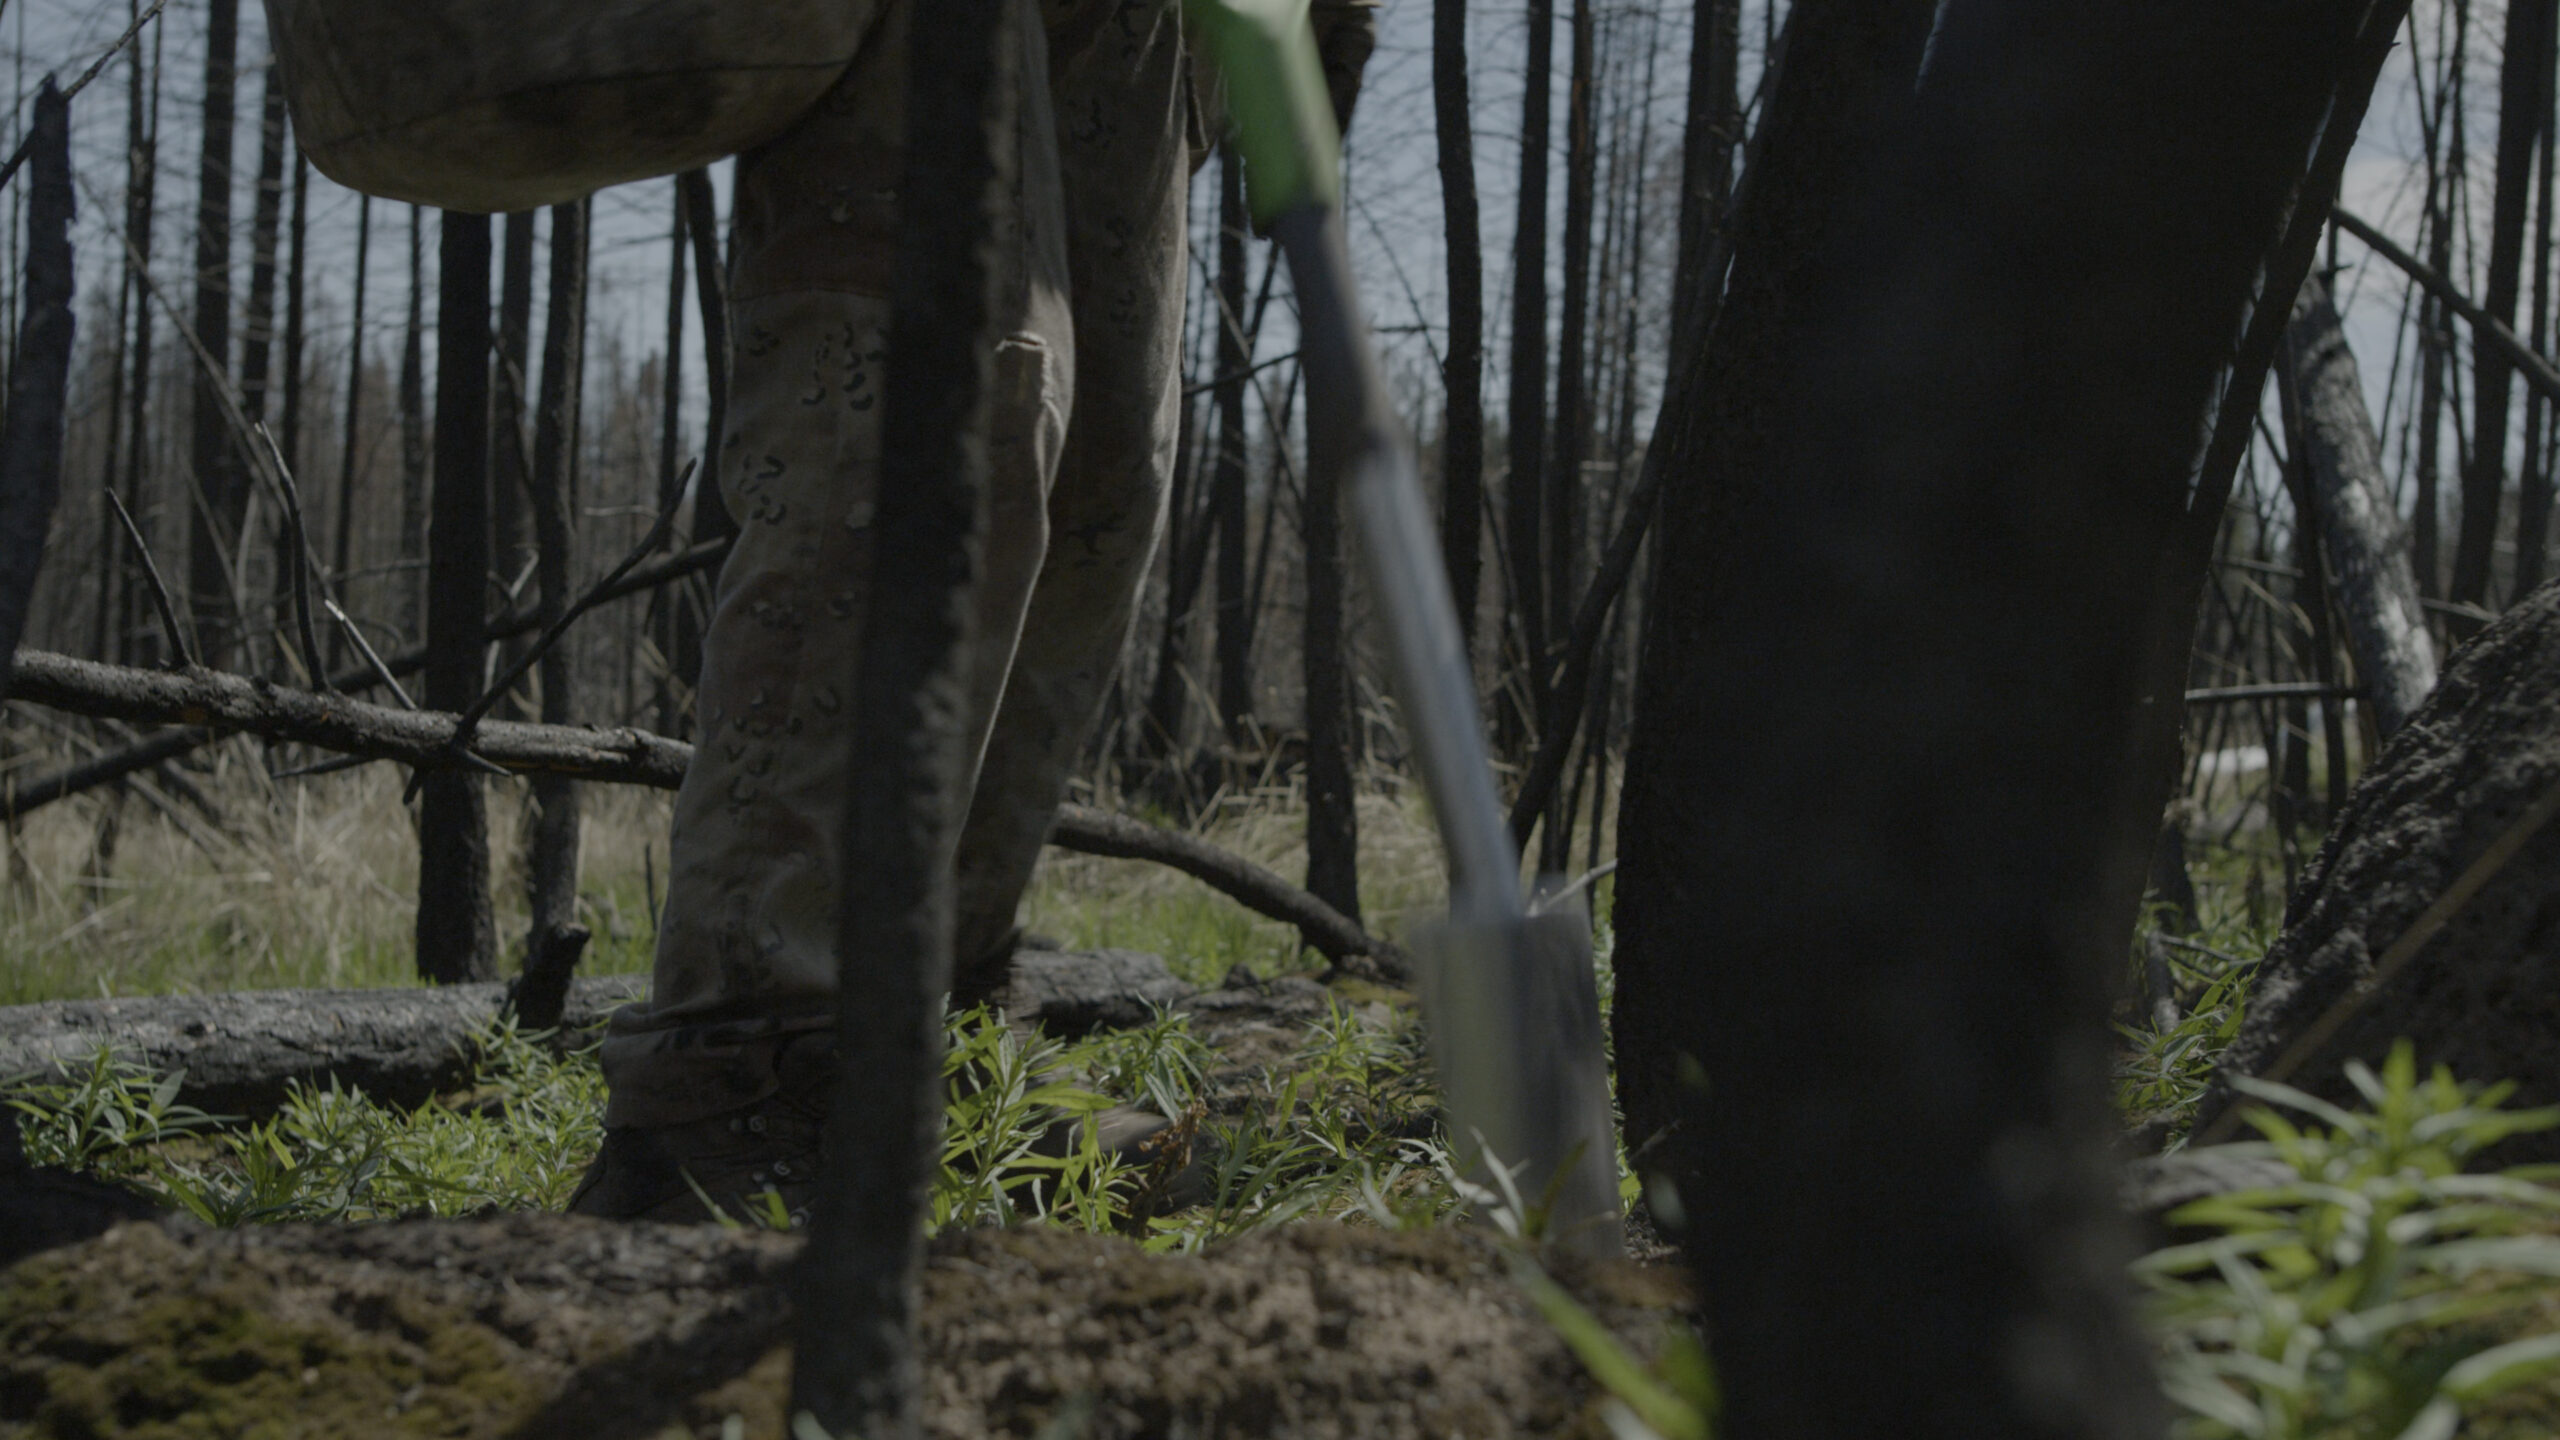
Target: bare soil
[(547, 1325)]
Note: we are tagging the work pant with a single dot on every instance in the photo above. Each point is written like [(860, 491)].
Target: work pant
[(1083, 432)]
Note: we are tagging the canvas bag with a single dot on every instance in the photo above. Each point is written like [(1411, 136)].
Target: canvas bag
[(496, 105)]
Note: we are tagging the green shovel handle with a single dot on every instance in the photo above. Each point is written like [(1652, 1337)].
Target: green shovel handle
[(1276, 100)]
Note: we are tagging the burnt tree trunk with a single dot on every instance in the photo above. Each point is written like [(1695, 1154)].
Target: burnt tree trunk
[(2533, 482), (856, 1361), (1572, 423), (1227, 476), (40, 375), (258, 332), (2523, 110), (2360, 528), (554, 860), (296, 312), (221, 493), (342, 556), (1894, 943), (510, 527), (141, 209), (1524, 489), (665, 607), (1333, 823), (1462, 426), (1712, 134), (457, 937), (408, 583)]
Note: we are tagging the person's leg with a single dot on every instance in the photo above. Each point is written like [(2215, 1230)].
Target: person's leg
[(721, 1074), (1118, 78)]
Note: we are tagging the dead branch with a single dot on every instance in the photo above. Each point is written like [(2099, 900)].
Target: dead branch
[(212, 703), (223, 702)]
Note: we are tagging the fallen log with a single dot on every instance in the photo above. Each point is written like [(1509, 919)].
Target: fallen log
[(242, 1051), (221, 701), (218, 701), (33, 794)]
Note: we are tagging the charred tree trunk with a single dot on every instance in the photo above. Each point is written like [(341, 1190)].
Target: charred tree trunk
[(554, 860), (711, 518), (40, 375), (666, 606), (1955, 284), (141, 210), (258, 335), (1524, 488), (220, 492), (298, 232), (342, 558), (855, 1367), (1707, 146), (1462, 428), (1227, 477), (2367, 554), (1563, 481), (408, 578), (457, 937), (2523, 109), (1333, 824), (510, 527), (2533, 485)]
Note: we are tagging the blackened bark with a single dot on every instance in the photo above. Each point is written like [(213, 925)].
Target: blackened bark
[(855, 1362), (2523, 110), (1333, 825), (40, 376), (298, 232), (1572, 422), (141, 209), (457, 937), (711, 518), (220, 483), (554, 860), (666, 609), (1524, 489), (408, 584), (1462, 428), (510, 525), (342, 557), (2435, 351), (1712, 135), (1227, 476), (1816, 129), (2533, 482), (2368, 554), (1863, 950), (266, 224), (258, 325), (1572, 425)]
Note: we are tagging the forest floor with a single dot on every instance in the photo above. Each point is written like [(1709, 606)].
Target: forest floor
[(1319, 1290)]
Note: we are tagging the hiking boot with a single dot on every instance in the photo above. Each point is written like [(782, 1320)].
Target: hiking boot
[(755, 1164)]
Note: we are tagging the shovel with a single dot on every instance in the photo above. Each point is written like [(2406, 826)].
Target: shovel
[(1510, 996)]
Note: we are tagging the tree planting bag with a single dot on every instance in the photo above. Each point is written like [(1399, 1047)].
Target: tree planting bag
[(495, 105)]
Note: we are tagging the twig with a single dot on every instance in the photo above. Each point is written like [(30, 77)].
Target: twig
[(595, 596), (26, 147), (169, 626), (2532, 366)]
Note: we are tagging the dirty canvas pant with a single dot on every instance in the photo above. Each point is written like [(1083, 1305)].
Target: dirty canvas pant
[(1083, 432)]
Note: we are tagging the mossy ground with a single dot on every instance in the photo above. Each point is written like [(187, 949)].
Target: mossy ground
[(479, 1329)]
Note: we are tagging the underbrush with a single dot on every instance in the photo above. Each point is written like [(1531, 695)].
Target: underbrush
[(1347, 1126)]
